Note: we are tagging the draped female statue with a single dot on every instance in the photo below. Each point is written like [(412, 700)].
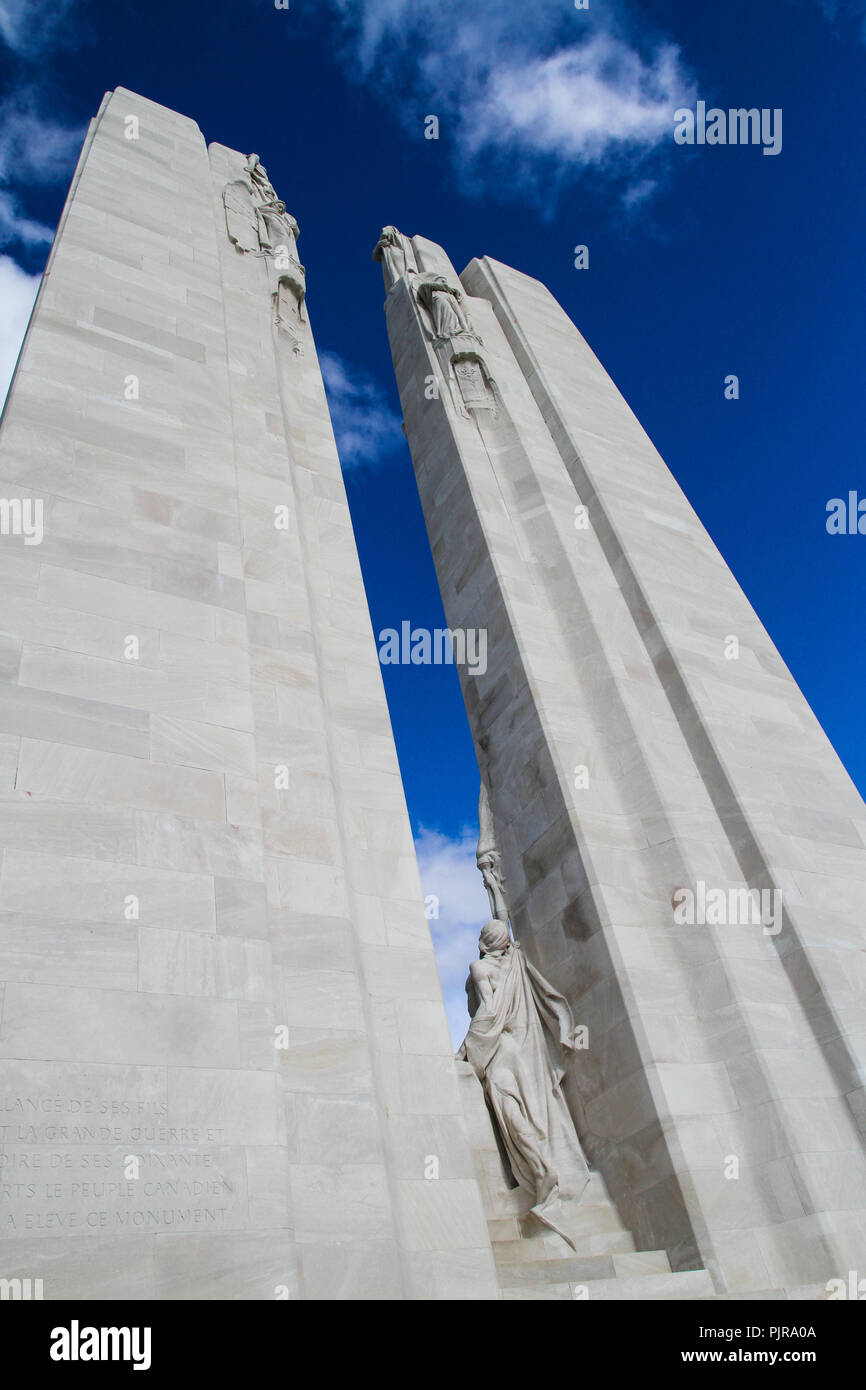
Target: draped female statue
[(520, 1030), (520, 1034)]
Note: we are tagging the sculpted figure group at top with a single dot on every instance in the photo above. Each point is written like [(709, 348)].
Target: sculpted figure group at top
[(443, 301)]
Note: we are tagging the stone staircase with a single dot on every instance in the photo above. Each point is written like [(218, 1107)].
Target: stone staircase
[(533, 1262)]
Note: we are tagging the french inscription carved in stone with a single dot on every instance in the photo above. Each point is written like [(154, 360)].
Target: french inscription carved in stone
[(87, 1163)]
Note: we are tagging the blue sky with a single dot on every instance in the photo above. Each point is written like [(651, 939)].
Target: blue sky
[(556, 129)]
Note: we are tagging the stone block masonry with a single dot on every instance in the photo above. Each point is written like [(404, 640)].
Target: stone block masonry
[(635, 755), (224, 1060)]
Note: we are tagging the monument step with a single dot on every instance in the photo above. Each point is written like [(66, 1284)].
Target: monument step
[(513, 1292), (579, 1221), (552, 1247), (514, 1273), (692, 1284), (607, 1243), (638, 1264), (811, 1293), (503, 1228), (687, 1283), (644, 1264)]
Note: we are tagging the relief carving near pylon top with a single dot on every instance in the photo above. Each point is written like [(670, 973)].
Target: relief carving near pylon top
[(257, 222), (442, 300), (396, 254)]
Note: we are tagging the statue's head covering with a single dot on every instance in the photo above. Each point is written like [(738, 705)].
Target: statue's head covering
[(389, 236), (494, 936)]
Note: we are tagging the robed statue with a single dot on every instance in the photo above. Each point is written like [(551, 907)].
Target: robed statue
[(257, 220), (396, 255), (258, 223), (519, 1037), (445, 304)]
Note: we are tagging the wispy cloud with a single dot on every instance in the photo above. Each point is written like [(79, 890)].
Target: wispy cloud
[(29, 27), (585, 104), (539, 90), (366, 428), (840, 11), (15, 226), (35, 149), (448, 870), (17, 293)]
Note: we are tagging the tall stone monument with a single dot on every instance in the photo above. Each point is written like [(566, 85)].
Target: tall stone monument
[(684, 854), (225, 1069)]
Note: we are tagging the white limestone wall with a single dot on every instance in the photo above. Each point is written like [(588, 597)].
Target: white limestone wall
[(705, 1042), (155, 1140), (779, 1017)]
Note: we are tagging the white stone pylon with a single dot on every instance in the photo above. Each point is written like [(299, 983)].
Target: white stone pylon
[(684, 853), (224, 1058)]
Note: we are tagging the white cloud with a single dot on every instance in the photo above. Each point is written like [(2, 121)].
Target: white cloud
[(580, 105), (28, 27), (638, 193), (366, 428), (839, 10), (537, 92), (448, 871), (16, 226), (17, 293), (35, 148)]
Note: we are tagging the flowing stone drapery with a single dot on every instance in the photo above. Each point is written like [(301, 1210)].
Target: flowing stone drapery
[(396, 255), (257, 221), (444, 303), (520, 1031)]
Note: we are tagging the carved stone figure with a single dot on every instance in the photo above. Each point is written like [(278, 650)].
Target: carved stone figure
[(258, 176), (396, 254), (289, 310), (521, 1030), (444, 302), (242, 223), (257, 222)]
